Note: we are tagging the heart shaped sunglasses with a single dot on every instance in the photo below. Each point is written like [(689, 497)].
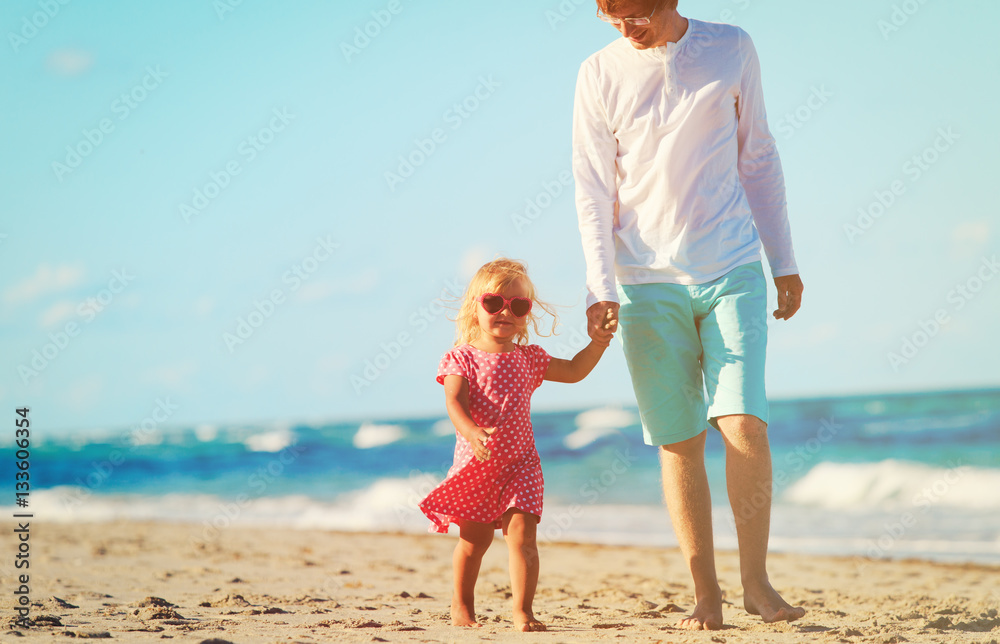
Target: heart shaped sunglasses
[(493, 303)]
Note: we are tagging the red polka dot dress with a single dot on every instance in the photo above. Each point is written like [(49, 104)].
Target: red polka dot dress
[(500, 388)]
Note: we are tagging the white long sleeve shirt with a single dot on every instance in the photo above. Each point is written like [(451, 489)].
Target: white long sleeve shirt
[(677, 175)]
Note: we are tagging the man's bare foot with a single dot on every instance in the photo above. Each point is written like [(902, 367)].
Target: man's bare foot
[(765, 601), (461, 615), (526, 623), (707, 615)]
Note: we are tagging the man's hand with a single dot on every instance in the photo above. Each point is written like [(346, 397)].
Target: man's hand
[(602, 321), (789, 296)]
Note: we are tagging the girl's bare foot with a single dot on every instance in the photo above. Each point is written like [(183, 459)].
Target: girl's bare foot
[(766, 602), (462, 616), (526, 622)]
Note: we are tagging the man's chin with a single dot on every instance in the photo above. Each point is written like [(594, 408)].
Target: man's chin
[(637, 44)]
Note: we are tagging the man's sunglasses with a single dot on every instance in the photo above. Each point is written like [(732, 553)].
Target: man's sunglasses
[(493, 304)]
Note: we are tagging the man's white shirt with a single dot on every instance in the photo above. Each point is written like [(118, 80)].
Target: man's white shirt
[(677, 175)]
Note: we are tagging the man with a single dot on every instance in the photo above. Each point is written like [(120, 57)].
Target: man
[(677, 184)]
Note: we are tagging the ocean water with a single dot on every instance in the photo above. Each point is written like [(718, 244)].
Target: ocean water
[(874, 476)]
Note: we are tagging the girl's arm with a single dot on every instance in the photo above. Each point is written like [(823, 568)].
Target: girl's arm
[(456, 398), (575, 370)]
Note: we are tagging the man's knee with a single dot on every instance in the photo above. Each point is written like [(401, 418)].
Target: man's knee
[(690, 447), (746, 424)]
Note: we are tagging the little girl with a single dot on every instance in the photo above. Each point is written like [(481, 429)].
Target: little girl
[(496, 480)]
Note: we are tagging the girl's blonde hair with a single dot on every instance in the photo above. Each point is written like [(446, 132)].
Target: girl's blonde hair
[(493, 277)]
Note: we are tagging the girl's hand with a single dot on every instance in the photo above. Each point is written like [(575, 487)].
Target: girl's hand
[(608, 325), (477, 438), (602, 321)]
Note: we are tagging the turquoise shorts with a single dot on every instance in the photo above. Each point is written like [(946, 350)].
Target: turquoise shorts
[(696, 352)]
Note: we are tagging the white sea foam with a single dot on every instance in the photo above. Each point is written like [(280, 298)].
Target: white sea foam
[(594, 424), (386, 505), (273, 441), (390, 504), (140, 436), (206, 433), (371, 435), (443, 427), (893, 484)]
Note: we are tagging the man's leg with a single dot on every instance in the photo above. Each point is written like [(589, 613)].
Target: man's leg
[(748, 480), (685, 488), (659, 334)]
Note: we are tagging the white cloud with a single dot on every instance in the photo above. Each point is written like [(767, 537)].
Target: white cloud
[(69, 62), (57, 313), (176, 376), (969, 239), (204, 306), (47, 279), (473, 258)]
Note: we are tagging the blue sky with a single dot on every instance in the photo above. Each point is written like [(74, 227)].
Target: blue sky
[(197, 214)]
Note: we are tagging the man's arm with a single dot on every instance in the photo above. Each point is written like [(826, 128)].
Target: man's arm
[(595, 173), (764, 183)]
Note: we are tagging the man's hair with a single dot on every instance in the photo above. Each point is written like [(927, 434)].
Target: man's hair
[(614, 6)]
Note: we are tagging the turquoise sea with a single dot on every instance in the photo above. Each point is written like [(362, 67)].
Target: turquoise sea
[(876, 476)]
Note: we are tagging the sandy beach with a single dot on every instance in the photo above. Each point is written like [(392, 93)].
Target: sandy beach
[(144, 582)]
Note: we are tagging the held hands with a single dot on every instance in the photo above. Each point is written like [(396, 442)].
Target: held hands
[(789, 296), (602, 322), (477, 438)]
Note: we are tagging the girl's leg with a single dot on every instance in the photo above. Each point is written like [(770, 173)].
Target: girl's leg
[(519, 529), (473, 542)]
